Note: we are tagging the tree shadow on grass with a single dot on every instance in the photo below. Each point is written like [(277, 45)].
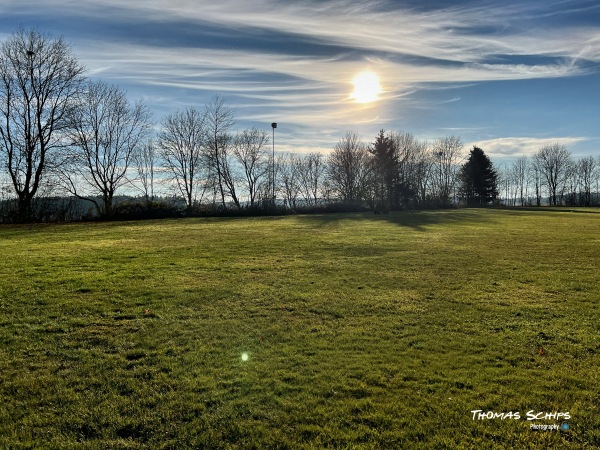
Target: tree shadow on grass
[(552, 209), (416, 220)]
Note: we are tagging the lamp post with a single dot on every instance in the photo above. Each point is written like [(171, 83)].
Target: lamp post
[(30, 54), (273, 125)]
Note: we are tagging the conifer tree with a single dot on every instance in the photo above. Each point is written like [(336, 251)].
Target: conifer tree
[(479, 179), (385, 171)]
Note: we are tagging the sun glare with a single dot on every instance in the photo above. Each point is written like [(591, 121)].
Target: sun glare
[(366, 87)]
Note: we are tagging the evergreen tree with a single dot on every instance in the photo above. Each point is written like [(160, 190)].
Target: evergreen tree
[(479, 179), (385, 171)]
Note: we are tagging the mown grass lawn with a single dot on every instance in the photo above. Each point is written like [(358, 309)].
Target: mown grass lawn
[(359, 331)]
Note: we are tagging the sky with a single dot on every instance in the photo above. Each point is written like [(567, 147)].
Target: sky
[(507, 76)]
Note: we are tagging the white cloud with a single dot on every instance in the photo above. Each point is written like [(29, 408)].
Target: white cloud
[(404, 46), (521, 146)]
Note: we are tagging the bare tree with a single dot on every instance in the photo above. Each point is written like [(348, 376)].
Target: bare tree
[(504, 183), (107, 130), (181, 144), (536, 176), (311, 170), (219, 120), (404, 143), (553, 163), (519, 174), (568, 191), (250, 151), (144, 159), (414, 167), (586, 168), (418, 168), (227, 170), (349, 168), (289, 179), (39, 81), (447, 154)]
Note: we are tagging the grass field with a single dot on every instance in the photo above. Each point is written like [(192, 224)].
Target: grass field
[(327, 331)]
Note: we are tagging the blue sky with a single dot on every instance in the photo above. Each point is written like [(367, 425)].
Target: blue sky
[(509, 76)]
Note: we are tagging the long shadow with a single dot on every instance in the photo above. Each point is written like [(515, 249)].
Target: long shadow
[(420, 219), (416, 220), (552, 209)]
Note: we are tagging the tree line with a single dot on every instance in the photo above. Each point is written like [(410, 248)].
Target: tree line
[(65, 137), (551, 176)]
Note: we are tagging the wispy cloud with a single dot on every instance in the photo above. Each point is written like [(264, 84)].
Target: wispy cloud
[(522, 146), (466, 35), (296, 60)]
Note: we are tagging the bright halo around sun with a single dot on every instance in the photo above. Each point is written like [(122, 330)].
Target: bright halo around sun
[(366, 87)]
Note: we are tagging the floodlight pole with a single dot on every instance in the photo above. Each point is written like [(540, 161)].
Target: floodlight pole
[(273, 125), (30, 54)]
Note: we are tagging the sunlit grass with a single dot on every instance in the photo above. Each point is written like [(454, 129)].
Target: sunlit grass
[(343, 331)]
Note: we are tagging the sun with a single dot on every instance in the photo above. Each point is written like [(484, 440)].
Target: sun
[(366, 87)]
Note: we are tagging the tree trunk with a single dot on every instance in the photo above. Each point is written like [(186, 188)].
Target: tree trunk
[(24, 209)]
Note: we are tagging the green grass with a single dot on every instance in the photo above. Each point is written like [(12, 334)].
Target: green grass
[(361, 331)]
